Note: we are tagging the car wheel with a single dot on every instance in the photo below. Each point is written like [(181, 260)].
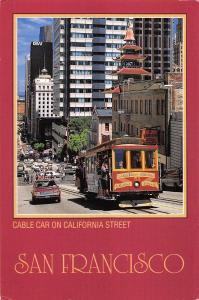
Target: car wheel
[(176, 187), (33, 200), (58, 200)]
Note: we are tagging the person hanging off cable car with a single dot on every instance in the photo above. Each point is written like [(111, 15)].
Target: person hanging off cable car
[(105, 178), (80, 176)]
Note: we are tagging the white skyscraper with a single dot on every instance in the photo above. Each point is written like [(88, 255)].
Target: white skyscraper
[(84, 49), (42, 100)]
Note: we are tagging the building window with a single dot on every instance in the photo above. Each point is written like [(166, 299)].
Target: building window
[(137, 131), (162, 107), (141, 107), (158, 107), (128, 130), (136, 106), (132, 106), (131, 129), (146, 41), (106, 126), (146, 106), (150, 107), (162, 138)]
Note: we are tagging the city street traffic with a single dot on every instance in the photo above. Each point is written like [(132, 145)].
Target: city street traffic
[(72, 202)]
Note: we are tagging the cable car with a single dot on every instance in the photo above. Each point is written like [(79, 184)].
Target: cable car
[(132, 172)]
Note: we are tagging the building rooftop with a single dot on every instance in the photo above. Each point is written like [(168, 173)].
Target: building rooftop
[(102, 112), (130, 47), (131, 57), (132, 71)]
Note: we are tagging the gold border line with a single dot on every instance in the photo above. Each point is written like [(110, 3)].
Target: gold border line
[(15, 91)]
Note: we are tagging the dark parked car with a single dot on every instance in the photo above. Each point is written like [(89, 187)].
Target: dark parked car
[(172, 178), (20, 170), (45, 190)]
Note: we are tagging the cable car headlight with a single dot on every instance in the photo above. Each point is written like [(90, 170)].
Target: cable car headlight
[(136, 184)]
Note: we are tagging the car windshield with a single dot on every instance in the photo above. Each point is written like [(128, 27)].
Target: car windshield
[(44, 183)]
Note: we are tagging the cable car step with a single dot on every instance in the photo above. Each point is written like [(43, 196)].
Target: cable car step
[(135, 203)]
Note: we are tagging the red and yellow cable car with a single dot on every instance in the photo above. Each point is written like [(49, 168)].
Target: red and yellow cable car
[(132, 171)]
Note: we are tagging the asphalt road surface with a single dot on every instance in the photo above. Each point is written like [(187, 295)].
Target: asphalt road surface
[(168, 204)]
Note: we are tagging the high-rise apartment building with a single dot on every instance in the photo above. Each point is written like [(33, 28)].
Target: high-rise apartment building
[(154, 36), (178, 47), (45, 33), (84, 49), (27, 89)]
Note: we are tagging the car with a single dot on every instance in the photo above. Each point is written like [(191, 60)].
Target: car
[(20, 170), (69, 169), (36, 168), (46, 159), (172, 178), (45, 189), (53, 174)]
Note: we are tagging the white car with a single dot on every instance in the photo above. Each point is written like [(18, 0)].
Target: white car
[(51, 174)]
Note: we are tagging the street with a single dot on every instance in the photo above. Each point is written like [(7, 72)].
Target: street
[(72, 203)]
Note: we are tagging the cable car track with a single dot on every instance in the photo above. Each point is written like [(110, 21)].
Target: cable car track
[(178, 202), (139, 210)]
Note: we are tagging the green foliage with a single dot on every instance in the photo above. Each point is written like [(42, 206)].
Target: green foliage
[(39, 146), (79, 124), (78, 142)]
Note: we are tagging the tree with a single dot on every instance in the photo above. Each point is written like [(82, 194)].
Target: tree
[(39, 147), (79, 124), (78, 142)]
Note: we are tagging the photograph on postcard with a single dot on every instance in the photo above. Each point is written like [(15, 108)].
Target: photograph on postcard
[(100, 116)]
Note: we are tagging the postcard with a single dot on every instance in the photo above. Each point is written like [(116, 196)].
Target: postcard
[(98, 133)]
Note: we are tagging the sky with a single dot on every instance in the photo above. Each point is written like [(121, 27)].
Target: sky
[(27, 32)]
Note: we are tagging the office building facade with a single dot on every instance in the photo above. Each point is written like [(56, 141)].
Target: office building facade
[(154, 35), (178, 47), (84, 49), (45, 33), (41, 101), (41, 56)]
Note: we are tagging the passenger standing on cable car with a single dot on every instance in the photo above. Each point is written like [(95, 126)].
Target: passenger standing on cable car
[(80, 173), (105, 178)]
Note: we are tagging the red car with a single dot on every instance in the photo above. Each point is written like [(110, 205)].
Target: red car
[(45, 189)]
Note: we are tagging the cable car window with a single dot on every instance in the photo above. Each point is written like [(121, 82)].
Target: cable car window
[(150, 159), (136, 159), (120, 159)]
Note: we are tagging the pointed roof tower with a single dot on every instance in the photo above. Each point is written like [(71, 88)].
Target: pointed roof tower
[(129, 36), (130, 61), (130, 58)]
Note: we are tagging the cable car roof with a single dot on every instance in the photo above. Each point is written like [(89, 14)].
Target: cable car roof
[(124, 141)]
